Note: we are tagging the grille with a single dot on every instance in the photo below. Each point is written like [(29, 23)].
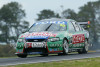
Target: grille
[(36, 40), (44, 50)]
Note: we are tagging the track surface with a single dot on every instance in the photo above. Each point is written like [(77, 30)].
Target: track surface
[(36, 59)]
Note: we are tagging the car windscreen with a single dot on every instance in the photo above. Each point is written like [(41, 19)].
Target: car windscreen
[(37, 27)]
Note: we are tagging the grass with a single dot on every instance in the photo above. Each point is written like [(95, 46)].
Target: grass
[(91, 62)]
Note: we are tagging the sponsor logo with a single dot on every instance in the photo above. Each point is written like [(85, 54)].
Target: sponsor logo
[(35, 44), (79, 38), (56, 22), (38, 34), (35, 40)]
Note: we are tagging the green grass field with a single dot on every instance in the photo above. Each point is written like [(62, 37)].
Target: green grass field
[(91, 62)]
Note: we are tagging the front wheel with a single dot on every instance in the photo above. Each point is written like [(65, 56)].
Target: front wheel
[(22, 55), (65, 47), (85, 48)]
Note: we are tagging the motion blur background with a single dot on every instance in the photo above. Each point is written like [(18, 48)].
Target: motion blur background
[(18, 15)]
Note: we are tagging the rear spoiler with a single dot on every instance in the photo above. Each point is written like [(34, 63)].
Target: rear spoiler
[(85, 25)]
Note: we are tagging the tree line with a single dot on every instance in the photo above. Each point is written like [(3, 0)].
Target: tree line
[(12, 22)]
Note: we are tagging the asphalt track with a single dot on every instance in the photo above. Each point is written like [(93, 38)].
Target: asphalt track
[(37, 59)]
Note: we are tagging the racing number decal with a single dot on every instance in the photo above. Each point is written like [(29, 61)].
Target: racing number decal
[(79, 38)]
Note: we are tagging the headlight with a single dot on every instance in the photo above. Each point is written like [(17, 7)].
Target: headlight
[(21, 40), (53, 39)]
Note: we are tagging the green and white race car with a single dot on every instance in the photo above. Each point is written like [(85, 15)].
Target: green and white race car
[(53, 36)]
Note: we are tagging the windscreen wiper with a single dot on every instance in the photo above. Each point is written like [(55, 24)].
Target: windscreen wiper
[(48, 27)]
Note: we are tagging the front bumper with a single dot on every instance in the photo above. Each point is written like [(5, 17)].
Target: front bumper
[(40, 47)]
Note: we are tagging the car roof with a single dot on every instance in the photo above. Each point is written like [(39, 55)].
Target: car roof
[(56, 19)]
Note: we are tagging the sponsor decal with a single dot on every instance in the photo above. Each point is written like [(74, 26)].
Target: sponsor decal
[(35, 44), (79, 38), (55, 49), (28, 45), (19, 51), (77, 45), (56, 22), (37, 37), (55, 45), (33, 35), (50, 49), (62, 25)]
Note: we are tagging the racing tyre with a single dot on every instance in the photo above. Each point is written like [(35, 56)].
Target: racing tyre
[(22, 55), (85, 48), (65, 47)]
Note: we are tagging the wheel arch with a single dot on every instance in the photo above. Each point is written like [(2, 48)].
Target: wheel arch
[(87, 39), (65, 39)]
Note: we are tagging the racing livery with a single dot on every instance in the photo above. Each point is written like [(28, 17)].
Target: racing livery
[(53, 36)]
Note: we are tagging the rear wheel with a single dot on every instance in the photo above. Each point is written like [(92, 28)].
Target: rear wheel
[(85, 48), (22, 55)]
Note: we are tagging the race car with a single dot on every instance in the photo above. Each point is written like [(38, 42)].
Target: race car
[(49, 36)]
